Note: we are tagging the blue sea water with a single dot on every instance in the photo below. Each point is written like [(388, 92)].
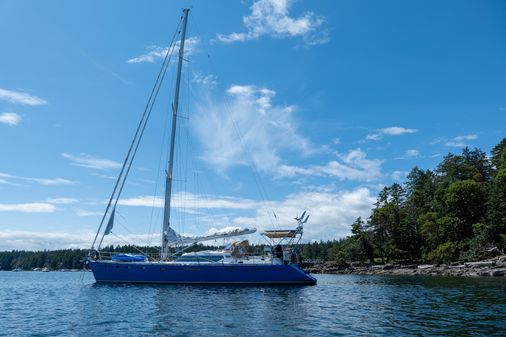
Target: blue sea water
[(71, 304)]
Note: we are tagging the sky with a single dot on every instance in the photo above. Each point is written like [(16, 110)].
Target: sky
[(286, 106)]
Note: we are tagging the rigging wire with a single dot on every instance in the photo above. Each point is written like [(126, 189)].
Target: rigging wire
[(202, 187), (185, 143), (138, 134), (133, 245), (185, 127), (161, 158), (140, 131), (257, 177), (182, 162), (256, 174), (145, 253), (185, 146)]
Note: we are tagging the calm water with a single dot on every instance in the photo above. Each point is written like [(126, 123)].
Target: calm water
[(52, 304)]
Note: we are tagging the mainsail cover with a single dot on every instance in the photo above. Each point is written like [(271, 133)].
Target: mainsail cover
[(176, 239)]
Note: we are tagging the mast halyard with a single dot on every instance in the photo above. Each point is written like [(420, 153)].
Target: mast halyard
[(168, 180)]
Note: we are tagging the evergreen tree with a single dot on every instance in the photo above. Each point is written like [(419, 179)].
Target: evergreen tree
[(496, 207)]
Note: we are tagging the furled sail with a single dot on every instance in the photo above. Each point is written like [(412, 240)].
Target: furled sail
[(110, 224), (176, 239)]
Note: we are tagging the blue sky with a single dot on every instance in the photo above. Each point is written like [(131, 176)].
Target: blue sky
[(287, 106)]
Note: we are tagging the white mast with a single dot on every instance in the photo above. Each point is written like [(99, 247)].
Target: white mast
[(168, 180)]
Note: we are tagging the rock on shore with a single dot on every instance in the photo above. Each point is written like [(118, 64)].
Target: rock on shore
[(491, 267)]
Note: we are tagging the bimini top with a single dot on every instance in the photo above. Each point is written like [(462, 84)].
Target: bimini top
[(280, 234)]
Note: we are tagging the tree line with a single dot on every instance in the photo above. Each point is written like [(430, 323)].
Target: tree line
[(56, 259), (456, 212), (74, 258)]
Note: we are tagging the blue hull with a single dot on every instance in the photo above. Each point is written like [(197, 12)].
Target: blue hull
[(126, 272)]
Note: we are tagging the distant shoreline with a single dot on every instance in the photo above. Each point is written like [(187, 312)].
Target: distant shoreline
[(495, 267)]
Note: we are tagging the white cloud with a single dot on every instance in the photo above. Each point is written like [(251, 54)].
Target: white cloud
[(155, 52), (390, 131), (331, 216), (63, 201), (205, 80), (374, 136), (81, 212), (461, 141), (399, 175), (247, 129), (10, 118), (54, 181), (397, 131), (259, 96), (143, 201), (271, 17), (29, 240), (6, 175), (409, 154), (20, 97), (244, 90), (192, 201), (226, 229), (331, 213), (352, 166), (86, 160), (104, 176), (412, 153), (35, 207), (436, 140), (11, 180)]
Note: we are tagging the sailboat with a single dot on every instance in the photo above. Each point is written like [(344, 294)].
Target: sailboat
[(279, 263)]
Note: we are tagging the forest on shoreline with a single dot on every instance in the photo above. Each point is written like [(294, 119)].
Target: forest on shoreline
[(456, 212)]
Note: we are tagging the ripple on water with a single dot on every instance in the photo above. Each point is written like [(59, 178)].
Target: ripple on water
[(53, 304)]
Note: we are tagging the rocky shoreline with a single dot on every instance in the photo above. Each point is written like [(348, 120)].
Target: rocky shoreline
[(491, 267)]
